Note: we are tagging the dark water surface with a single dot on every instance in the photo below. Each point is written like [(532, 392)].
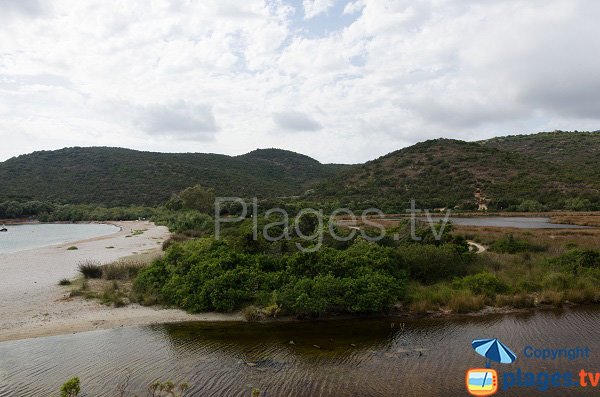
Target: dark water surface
[(366, 357)]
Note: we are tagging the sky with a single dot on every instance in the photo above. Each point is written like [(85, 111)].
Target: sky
[(341, 81)]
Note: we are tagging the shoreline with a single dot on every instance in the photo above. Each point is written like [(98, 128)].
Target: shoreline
[(33, 305)]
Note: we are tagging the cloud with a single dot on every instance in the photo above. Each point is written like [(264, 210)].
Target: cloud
[(181, 119), (296, 121), (354, 6), (24, 7), (368, 77), (312, 8)]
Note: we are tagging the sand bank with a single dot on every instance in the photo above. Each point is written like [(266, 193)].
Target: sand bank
[(33, 305)]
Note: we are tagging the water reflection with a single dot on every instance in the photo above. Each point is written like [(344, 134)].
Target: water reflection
[(367, 357)]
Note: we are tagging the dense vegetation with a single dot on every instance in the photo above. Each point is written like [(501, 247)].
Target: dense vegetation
[(518, 173), (531, 173), (352, 276), (122, 177)]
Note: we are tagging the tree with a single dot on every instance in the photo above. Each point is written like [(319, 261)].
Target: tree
[(198, 198)]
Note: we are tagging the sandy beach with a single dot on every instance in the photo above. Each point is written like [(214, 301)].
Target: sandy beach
[(33, 305)]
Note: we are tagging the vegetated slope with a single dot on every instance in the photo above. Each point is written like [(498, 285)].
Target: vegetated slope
[(115, 176), (446, 173), (576, 150)]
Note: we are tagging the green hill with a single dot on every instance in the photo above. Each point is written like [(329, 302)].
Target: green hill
[(115, 176), (552, 169)]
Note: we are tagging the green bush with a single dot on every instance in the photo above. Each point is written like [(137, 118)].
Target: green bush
[(510, 245), (70, 388), (482, 284), (206, 275), (430, 263)]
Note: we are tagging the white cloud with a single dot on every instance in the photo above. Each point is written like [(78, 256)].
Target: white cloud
[(312, 8), (354, 6), (296, 121), (228, 76)]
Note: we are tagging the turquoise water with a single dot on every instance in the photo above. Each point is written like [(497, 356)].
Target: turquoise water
[(25, 237)]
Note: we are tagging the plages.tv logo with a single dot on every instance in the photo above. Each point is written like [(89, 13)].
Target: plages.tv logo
[(484, 381)]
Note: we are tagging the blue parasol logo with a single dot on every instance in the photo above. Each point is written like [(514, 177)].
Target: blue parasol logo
[(494, 350)]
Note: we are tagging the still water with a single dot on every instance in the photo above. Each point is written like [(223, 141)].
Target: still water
[(362, 358), (509, 221), (25, 237)]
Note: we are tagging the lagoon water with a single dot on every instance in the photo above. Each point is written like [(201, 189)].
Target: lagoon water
[(25, 237), (508, 221), (340, 358)]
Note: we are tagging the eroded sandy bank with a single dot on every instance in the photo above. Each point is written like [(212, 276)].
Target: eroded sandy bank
[(33, 305)]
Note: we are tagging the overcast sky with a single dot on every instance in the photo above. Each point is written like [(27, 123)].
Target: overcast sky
[(341, 81)]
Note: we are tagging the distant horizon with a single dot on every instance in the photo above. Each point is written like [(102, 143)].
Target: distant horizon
[(289, 150)]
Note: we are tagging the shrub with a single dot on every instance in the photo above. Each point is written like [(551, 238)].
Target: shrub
[(72, 248), (204, 275), (70, 388), (510, 245), (253, 313), (430, 263), (558, 281), (64, 281), (90, 269), (576, 260), (483, 283)]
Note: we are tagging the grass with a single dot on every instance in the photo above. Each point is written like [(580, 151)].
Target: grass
[(113, 296), (110, 284), (523, 278), (72, 248), (64, 281), (90, 269), (122, 270)]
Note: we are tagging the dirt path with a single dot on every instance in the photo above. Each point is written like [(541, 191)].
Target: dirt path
[(479, 248)]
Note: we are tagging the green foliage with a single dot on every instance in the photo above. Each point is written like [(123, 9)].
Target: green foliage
[(518, 173), (578, 204), (530, 206), (190, 221), (70, 388), (576, 260), (204, 275), (199, 199), (431, 263), (482, 284), (510, 245), (120, 177)]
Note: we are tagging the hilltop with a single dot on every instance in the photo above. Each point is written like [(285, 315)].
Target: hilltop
[(116, 176), (550, 170), (554, 170)]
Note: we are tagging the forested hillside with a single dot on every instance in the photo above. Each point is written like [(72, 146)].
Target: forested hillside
[(544, 171), (115, 176), (557, 170)]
